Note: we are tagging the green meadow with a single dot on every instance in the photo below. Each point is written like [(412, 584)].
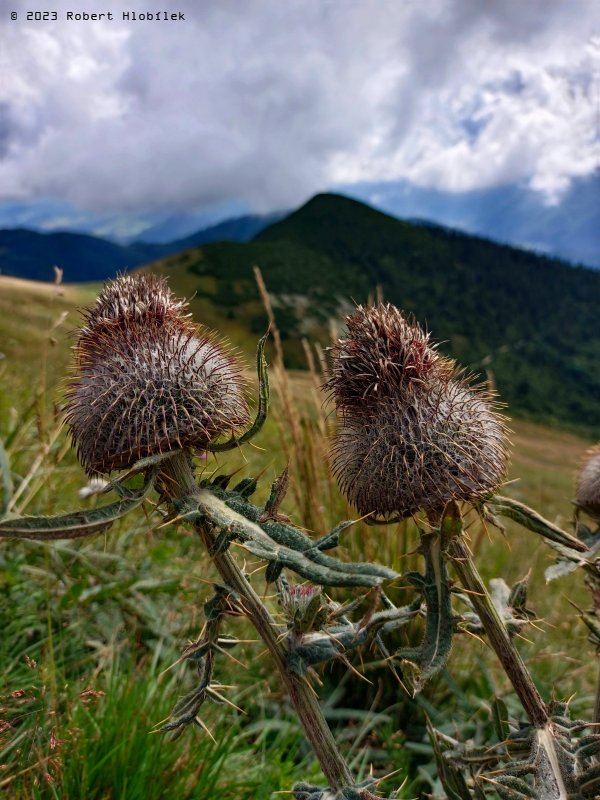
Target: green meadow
[(92, 632)]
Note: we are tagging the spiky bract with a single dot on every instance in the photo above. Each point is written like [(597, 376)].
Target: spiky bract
[(383, 350), (412, 432), (588, 482), (147, 380)]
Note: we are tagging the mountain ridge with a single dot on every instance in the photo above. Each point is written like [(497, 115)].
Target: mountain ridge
[(565, 227), (30, 254)]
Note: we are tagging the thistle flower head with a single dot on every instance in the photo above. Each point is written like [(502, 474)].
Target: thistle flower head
[(420, 435), (304, 606), (146, 380), (588, 482), (134, 298), (382, 351)]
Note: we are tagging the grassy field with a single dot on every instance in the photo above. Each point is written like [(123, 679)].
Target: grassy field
[(89, 629)]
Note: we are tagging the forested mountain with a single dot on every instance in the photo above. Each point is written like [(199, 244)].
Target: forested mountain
[(529, 320)]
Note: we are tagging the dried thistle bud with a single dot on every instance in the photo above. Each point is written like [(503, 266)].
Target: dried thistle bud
[(382, 351), (146, 380), (423, 436), (588, 482), (135, 298)]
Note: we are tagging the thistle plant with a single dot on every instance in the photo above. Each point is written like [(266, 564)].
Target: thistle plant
[(587, 496), (149, 391), (413, 433), (146, 380)]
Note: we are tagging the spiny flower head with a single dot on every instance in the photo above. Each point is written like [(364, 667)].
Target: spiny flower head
[(382, 350), (423, 436), (146, 380), (305, 606), (588, 481), (132, 298)]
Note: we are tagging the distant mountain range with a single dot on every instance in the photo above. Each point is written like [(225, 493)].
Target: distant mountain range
[(529, 321), (30, 254), (513, 214)]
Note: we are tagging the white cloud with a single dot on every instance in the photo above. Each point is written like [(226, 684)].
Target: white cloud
[(268, 102)]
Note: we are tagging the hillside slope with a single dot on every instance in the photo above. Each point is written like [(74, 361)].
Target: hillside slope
[(527, 319)]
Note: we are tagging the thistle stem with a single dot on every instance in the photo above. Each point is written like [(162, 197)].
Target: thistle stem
[(497, 634), (178, 482)]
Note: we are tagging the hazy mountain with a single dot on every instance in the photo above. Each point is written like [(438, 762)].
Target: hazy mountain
[(240, 229), (30, 254)]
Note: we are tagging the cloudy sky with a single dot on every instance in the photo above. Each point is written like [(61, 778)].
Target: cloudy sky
[(258, 104)]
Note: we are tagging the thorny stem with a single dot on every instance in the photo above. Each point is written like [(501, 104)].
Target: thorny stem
[(179, 482), (496, 631)]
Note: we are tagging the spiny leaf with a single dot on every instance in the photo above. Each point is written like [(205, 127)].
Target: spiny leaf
[(510, 787), (263, 404), (77, 524), (530, 519), (335, 641), (431, 656), (245, 488), (279, 542), (554, 767), (589, 782), (569, 559)]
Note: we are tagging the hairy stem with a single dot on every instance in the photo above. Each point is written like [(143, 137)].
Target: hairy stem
[(496, 631), (178, 482)]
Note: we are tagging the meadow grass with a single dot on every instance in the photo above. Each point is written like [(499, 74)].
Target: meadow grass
[(108, 616)]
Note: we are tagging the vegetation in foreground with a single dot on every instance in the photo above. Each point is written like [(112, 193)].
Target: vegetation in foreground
[(105, 635)]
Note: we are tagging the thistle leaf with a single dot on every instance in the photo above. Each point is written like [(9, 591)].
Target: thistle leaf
[(451, 778), (278, 542), (530, 519), (263, 404), (509, 787), (569, 559), (77, 524), (430, 658)]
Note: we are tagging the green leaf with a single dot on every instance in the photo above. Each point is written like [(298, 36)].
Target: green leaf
[(569, 560), (530, 519), (451, 778), (500, 718), (509, 787), (278, 542), (77, 524), (263, 403), (422, 663)]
